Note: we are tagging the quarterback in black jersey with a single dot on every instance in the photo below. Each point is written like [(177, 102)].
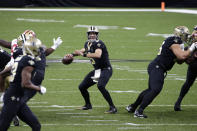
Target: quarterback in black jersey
[(21, 79), (96, 50), (169, 52), (191, 74)]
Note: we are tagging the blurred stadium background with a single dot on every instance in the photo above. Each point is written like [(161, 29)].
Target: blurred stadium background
[(133, 38)]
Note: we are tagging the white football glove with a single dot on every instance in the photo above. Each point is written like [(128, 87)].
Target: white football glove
[(56, 42), (193, 46), (43, 90)]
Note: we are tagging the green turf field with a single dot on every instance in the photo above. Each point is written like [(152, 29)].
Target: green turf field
[(56, 110)]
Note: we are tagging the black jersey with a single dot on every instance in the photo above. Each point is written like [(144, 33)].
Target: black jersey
[(98, 63), (4, 59), (166, 58), (39, 71), (19, 63), (18, 51)]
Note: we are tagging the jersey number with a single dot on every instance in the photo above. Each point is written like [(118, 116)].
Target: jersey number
[(14, 68), (160, 49)]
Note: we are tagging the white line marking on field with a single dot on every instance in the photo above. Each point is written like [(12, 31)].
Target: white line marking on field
[(102, 120), (101, 106), (103, 27), (40, 20), (134, 128), (128, 28), (72, 113), (129, 91), (87, 116), (142, 79), (43, 102), (49, 110), (162, 35), (121, 124), (104, 10), (98, 26)]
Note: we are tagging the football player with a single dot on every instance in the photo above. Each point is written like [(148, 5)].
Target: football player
[(96, 50), (21, 79), (16, 50), (191, 75), (169, 52), (39, 71)]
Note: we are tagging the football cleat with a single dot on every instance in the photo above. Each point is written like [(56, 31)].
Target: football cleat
[(139, 115), (85, 107), (130, 108), (177, 107), (112, 110), (16, 121)]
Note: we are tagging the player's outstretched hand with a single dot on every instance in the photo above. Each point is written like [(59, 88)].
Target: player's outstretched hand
[(56, 42), (43, 90)]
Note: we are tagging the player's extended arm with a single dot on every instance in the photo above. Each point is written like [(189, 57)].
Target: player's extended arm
[(49, 51), (5, 44), (56, 43), (180, 54), (97, 54), (76, 53), (26, 78)]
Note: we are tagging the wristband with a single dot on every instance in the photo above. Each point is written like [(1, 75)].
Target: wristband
[(84, 55), (74, 54)]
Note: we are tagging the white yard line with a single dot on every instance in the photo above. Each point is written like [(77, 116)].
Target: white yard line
[(43, 102), (101, 106), (72, 113), (40, 20), (49, 110), (104, 27), (134, 128), (142, 79), (129, 91), (162, 35), (102, 120), (87, 116), (121, 124), (102, 10)]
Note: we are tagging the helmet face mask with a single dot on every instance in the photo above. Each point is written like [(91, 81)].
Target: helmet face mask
[(92, 33), (27, 35), (182, 32)]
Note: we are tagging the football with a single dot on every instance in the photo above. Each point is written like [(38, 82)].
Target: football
[(67, 60)]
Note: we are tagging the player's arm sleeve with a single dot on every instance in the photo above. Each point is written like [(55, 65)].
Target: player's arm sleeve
[(26, 78), (5, 44), (49, 51)]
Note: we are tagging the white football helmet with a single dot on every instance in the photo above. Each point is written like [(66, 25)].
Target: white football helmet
[(92, 33), (27, 35), (32, 47), (182, 32)]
